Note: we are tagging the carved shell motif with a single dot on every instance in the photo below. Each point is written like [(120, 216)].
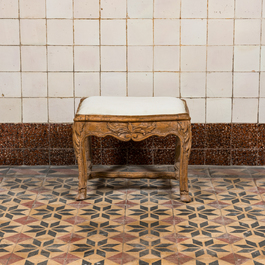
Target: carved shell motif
[(130, 131)]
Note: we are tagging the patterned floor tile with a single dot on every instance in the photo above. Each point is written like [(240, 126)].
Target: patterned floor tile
[(44, 228), (217, 172), (23, 183), (40, 248), (33, 170), (3, 170), (132, 222), (146, 197), (107, 212), (200, 228), (256, 172), (204, 248)]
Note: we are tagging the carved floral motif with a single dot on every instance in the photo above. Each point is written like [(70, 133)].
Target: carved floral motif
[(131, 131)]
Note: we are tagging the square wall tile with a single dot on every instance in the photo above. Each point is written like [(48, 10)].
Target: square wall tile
[(9, 29), (262, 84), (86, 8), (246, 58), (59, 32), (220, 58), (166, 84), (34, 85), (263, 32), (10, 110), (113, 32), (241, 114), (220, 31), (166, 58), (140, 58), (248, 9), (262, 110), (193, 58), (140, 31), (10, 84), (9, 58), (193, 84), (113, 84), (60, 58), (86, 84), (166, 31), (246, 85), (219, 84), (86, 58), (32, 8), (33, 31), (60, 85), (197, 109), (193, 31), (247, 31), (35, 110), (140, 84), (167, 8), (61, 110), (86, 32), (59, 8), (262, 58), (113, 9), (194, 9), (113, 58), (9, 9), (33, 58), (140, 8), (218, 110), (221, 9)]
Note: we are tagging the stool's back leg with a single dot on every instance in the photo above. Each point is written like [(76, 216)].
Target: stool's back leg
[(185, 140), (80, 153)]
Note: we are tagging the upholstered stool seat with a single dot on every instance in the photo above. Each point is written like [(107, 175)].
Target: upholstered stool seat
[(132, 118)]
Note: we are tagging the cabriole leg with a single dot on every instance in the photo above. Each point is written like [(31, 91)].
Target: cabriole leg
[(80, 144)]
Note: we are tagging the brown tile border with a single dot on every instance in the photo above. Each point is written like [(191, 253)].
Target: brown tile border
[(212, 144)]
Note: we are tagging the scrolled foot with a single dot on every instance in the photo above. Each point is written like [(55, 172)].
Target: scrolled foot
[(185, 197), (82, 195)]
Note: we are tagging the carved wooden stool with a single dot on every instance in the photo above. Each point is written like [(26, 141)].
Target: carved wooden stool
[(127, 118)]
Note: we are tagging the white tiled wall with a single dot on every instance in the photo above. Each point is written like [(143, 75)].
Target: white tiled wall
[(210, 52)]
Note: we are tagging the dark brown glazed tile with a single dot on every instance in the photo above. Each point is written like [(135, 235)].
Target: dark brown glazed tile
[(36, 135), (61, 136), (96, 156), (261, 157), (165, 142), (95, 142), (218, 136), (245, 157), (11, 135), (146, 143), (62, 157), (11, 157), (197, 157), (140, 156), (198, 135), (164, 156), (244, 135), (34, 157), (115, 156), (218, 157), (112, 142), (261, 135)]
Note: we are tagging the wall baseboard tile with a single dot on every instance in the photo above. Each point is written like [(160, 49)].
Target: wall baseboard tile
[(212, 144)]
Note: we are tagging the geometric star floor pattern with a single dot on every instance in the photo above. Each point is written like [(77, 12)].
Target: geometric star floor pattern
[(132, 222)]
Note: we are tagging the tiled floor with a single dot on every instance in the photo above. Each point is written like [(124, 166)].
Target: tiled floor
[(132, 222)]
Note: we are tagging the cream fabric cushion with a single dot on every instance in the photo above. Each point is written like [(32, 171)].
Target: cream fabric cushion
[(132, 106)]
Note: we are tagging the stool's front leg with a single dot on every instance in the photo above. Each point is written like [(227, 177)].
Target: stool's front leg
[(80, 143), (184, 152)]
